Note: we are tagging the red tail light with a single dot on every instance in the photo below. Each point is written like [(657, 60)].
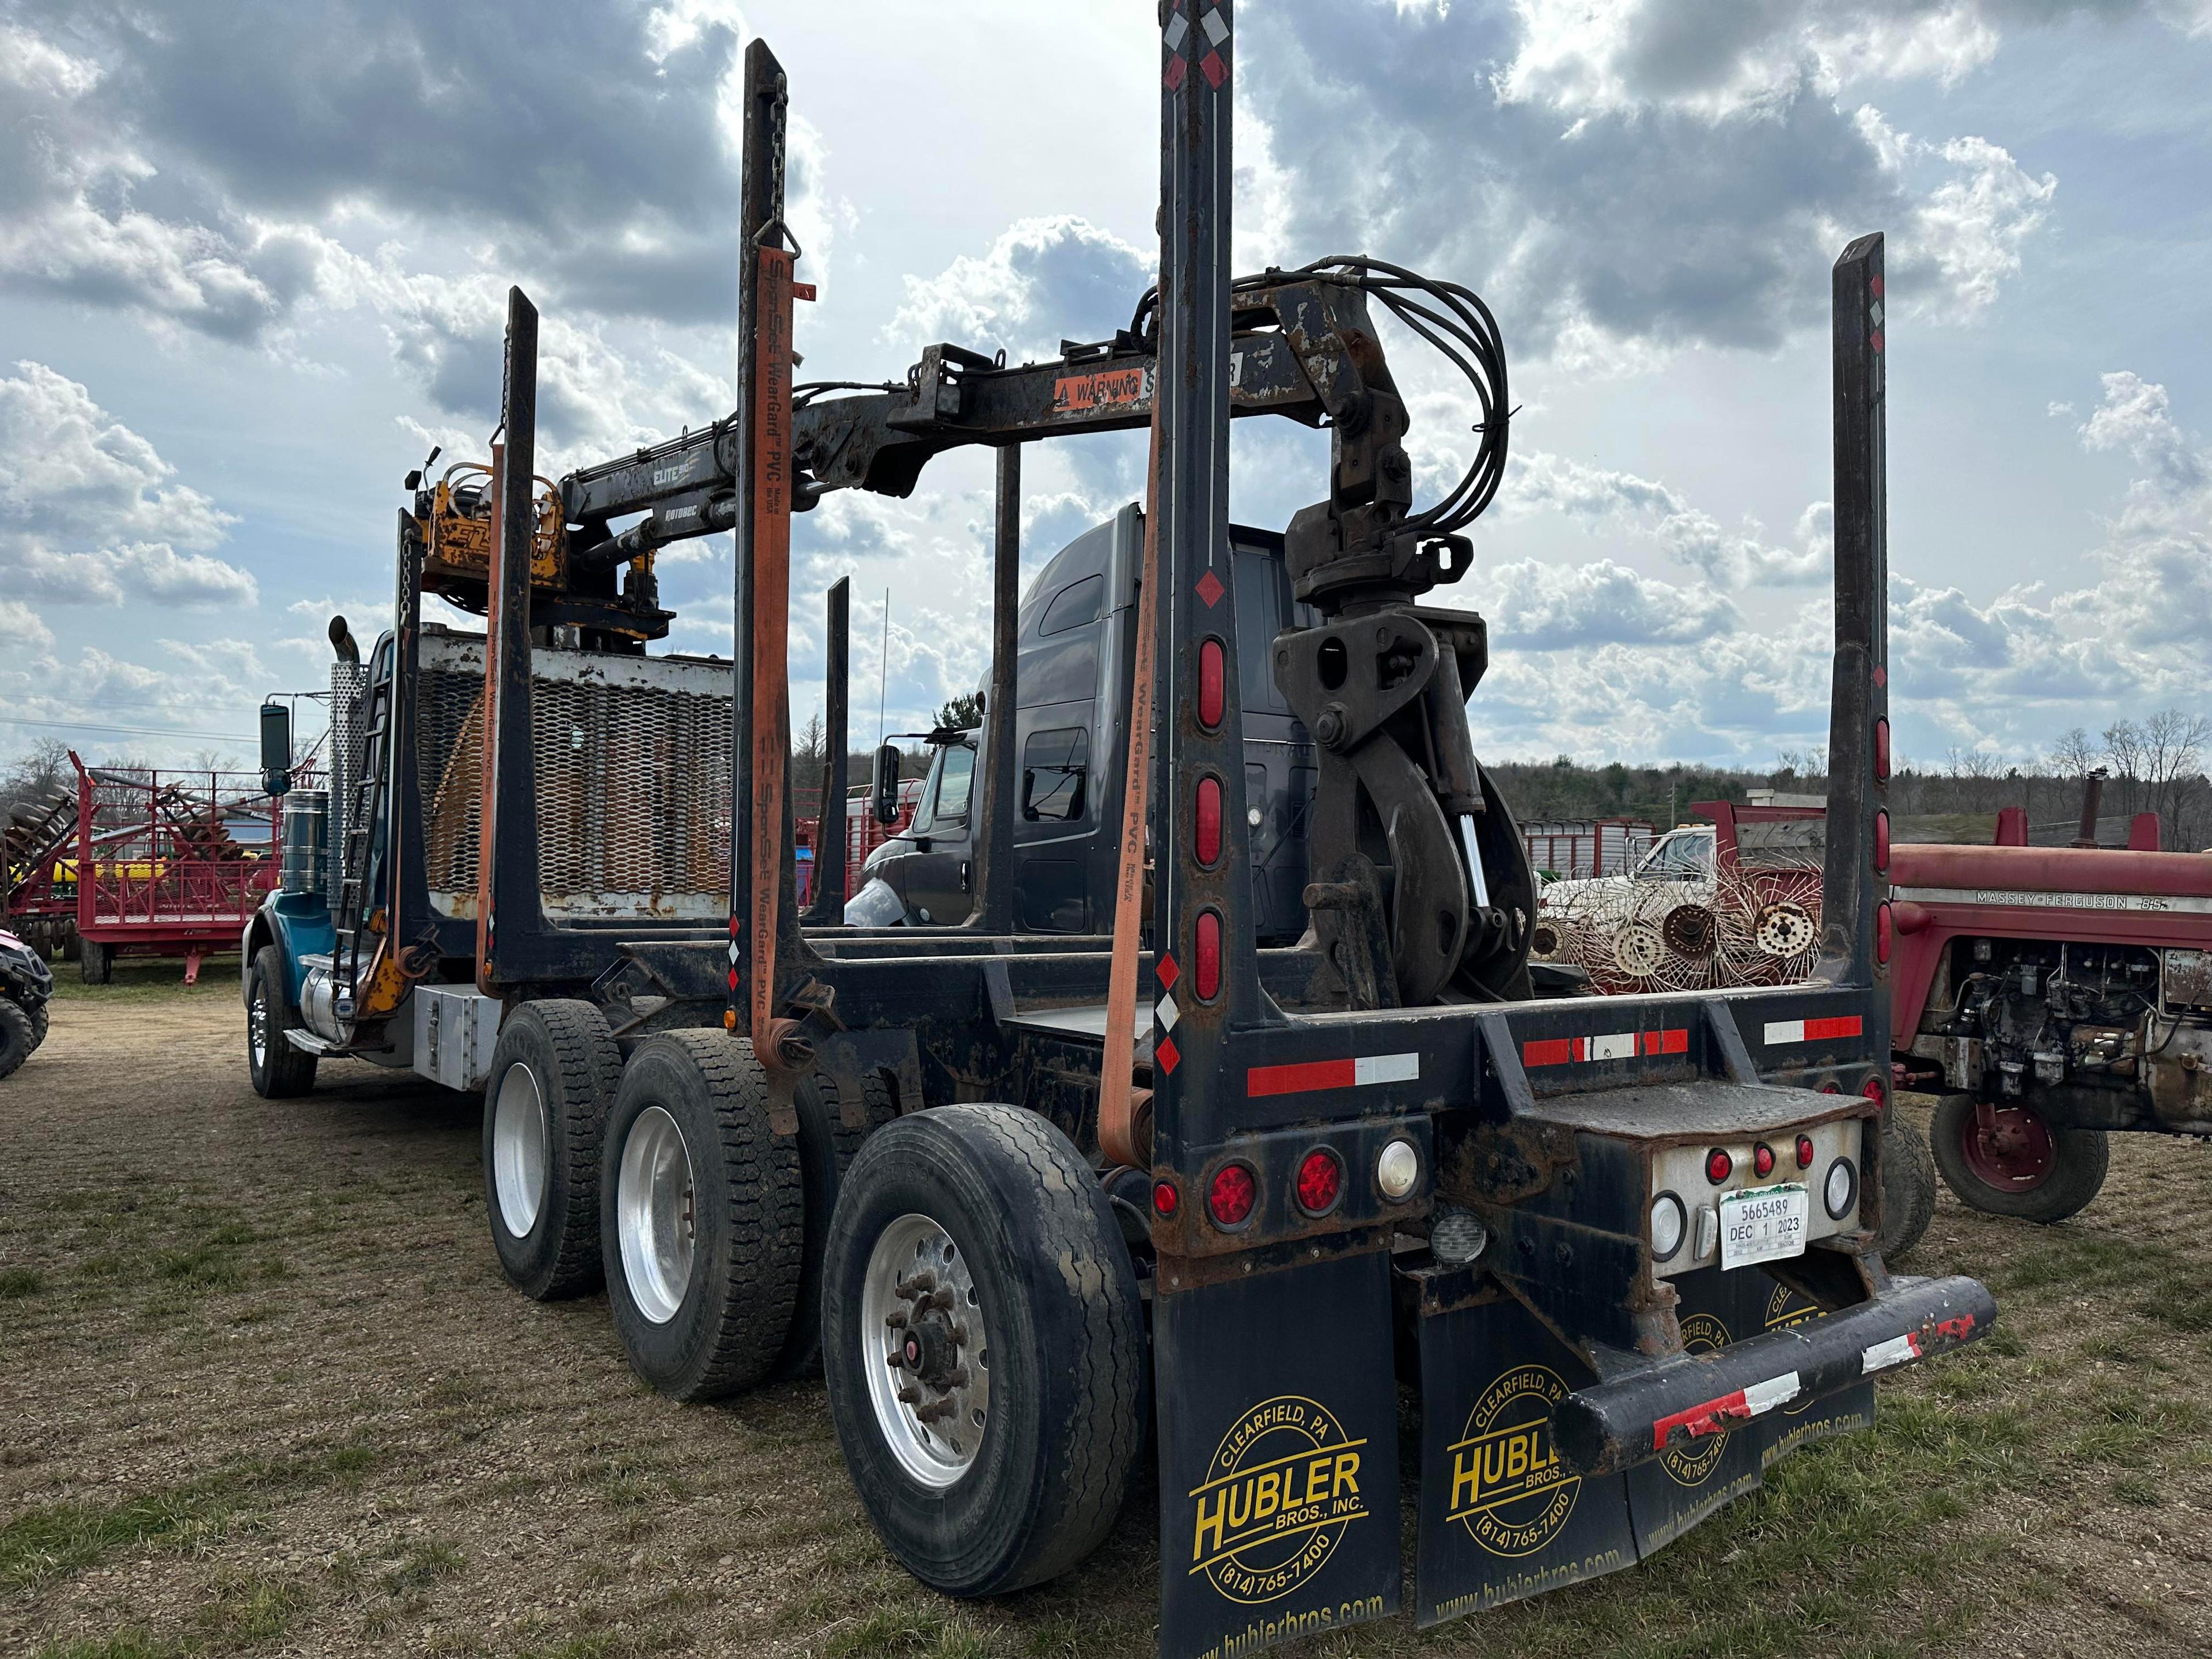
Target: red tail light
[(1881, 750), (1873, 1091), (1719, 1166), (1165, 1200), (1229, 1199), (1205, 954), (1210, 692), (1881, 843), (1831, 1087), (1762, 1159), (1209, 820), (1320, 1180), (1804, 1151), (1882, 931)]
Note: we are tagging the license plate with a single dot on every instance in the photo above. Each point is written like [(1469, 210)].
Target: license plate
[(1763, 1223)]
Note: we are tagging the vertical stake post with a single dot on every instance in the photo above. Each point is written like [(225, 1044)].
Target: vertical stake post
[(994, 847), (1854, 893), (829, 825), (506, 848)]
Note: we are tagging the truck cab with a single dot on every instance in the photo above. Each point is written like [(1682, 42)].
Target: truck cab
[(1076, 645)]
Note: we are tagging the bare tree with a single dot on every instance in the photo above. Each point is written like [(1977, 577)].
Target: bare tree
[(2074, 755), (2124, 758), (2172, 762)]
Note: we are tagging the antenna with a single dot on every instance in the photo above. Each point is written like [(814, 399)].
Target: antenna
[(883, 668)]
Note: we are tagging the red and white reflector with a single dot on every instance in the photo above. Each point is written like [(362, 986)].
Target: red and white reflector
[(1717, 1416), (1779, 1031), (1356, 1073), (1617, 1045)]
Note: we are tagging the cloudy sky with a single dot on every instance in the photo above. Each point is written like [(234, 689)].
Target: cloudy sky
[(253, 257)]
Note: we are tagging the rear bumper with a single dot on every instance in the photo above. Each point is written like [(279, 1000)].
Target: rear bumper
[(1614, 1425)]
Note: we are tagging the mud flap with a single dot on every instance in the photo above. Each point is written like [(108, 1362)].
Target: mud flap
[(1676, 1491), (1501, 1516), (1807, 1420), (1278, 1458)]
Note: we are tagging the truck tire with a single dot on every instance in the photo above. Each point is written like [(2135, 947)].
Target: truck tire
[(1908, 1185), (2031, 1171), (279, 1070), (984, 1348), (553, 1079), (826, 1151), (702, 1225), (96, 963), (17, 1038)]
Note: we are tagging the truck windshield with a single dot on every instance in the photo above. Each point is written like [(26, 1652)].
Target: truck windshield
[(945, 796), (1683, 856)]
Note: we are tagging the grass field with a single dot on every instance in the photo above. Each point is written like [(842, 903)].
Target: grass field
[(264, 1391)]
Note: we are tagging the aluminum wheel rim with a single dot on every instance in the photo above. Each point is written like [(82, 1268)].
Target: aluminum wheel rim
[(655, 1214), (919, 1291), (521, 1150), (256, 1026)]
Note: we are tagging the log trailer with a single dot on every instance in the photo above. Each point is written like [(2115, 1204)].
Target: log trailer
[(1041, 1206)]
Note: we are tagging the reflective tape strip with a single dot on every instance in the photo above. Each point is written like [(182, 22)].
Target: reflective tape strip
[(1897, 1351), (1715, 1416), (1168, 1012), (1814, 1031), (1332, 1074), (1617, 1045)]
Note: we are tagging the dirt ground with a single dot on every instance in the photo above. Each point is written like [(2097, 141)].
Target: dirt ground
[(263, 1389)]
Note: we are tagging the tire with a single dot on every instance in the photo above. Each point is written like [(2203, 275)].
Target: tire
[(826, 1151), (554, 1074), (96, 963), (1908, 1185), (41, 1019), (1013, 1219), (702, 1304), (279, 1070), (2059, 1182), (17, 1038)]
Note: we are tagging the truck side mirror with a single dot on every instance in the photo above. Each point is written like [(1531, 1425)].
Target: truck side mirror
[(883, 785), (275, 748)]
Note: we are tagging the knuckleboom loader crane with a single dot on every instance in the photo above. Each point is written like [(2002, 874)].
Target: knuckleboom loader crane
[(1023, 1196)]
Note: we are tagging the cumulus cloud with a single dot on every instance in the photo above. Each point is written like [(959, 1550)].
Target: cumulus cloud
[(89, 513), (1620, 503), (21, 628), (1548, 607), (1621, 175), (179, 167), (1044, 280)]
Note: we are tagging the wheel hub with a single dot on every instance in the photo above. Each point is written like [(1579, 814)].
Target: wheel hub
[(925, 1351), (2008, 1147), (654, 1214)]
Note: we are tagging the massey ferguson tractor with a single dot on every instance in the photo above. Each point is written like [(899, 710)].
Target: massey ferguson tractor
[(1042, 1206), (2049, 995)]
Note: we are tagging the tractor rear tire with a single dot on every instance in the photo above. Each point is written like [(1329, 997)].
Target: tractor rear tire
[(279, 1070), (96, 963), (17, 1038), (554, 1074), (2056, 1177), (1908, 1185), (826, 1151), (984, 1348), (702, 1217)]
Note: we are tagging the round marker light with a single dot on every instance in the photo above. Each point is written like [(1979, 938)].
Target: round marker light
[(1229, 1199), (1873, 1089), (1831, 1087), (1762, 1159), (1165, 1200), (1719, 1166), (1841, 1190), (1396, 1169), (1321, 1182), (1804, 1151), (1670, 1224)]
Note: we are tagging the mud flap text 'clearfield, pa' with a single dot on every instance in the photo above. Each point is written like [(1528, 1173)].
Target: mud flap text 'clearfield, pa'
[(1278, 1457)]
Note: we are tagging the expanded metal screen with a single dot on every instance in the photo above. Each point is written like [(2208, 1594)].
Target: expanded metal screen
[(633, 769)]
